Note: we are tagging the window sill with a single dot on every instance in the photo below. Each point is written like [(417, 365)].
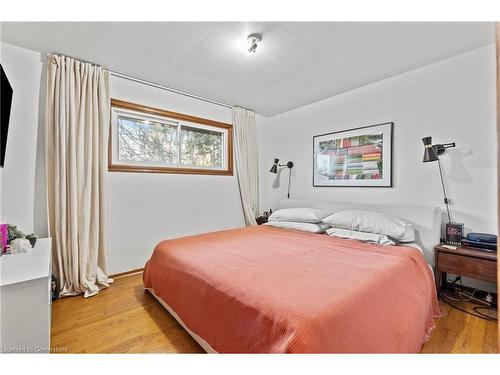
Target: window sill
[(172, 170)]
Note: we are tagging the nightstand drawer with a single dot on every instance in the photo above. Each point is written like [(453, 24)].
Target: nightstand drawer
[(462, 265)]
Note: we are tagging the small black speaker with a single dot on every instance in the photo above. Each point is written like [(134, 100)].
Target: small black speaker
[(5, 105)]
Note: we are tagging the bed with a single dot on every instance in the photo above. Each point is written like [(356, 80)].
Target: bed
[(272, 290)]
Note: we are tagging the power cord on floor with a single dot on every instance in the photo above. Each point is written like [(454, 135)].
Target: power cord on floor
[(469, 297)]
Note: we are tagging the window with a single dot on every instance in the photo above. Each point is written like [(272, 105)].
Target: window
[(145, 139)]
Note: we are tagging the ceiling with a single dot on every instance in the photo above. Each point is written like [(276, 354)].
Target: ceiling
[(295, 64)]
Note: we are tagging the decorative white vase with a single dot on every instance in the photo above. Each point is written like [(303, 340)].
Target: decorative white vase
[(20, 245)]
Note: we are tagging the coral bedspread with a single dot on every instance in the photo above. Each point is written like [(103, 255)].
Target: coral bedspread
[(271, 290)]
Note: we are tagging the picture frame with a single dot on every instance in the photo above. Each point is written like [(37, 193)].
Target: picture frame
[(358, 157)]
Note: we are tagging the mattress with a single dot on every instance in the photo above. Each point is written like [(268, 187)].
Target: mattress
[(272, 290)]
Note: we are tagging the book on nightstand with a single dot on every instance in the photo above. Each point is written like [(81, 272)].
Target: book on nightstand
[(480, 241)]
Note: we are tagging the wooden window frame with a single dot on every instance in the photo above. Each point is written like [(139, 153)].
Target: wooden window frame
[(112, 167)]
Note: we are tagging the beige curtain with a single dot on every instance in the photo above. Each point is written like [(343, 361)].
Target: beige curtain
[(77, 121), (247, 166)]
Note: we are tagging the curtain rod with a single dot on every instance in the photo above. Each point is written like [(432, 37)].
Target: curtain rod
[(152, 84)]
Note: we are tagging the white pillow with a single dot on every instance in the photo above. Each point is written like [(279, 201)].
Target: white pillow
[(372, 222), (302, 215), (306, 227), (378, 239)]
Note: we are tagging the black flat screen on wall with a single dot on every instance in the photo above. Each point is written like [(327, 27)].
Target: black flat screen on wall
[(5, 103)]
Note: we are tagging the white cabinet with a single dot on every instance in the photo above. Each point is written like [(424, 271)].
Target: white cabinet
[(25, 300)]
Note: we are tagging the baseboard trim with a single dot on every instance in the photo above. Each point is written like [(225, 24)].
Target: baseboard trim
[(127, 273)]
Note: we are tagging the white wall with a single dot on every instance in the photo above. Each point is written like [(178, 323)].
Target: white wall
[(23, 176), (145, 208), (451, 100)]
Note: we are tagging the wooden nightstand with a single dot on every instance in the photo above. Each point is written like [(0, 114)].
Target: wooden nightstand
[(464, 261)]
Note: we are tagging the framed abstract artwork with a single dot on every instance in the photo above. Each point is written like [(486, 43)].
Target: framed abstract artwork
[(354, 157)]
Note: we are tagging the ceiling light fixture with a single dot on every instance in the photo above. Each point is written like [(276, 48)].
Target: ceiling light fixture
[(253, 41)]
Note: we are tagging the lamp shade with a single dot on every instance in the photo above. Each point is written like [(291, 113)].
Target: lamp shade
[(429, 152), (274, 168)]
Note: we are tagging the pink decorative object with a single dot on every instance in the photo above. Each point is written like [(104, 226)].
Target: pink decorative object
[(3, 232)]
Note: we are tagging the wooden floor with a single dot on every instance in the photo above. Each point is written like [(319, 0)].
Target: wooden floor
[(123, 318), (126, 319), (459, 332)]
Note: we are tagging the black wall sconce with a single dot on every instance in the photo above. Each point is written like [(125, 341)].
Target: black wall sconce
[(432, 153), (277, 166)]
